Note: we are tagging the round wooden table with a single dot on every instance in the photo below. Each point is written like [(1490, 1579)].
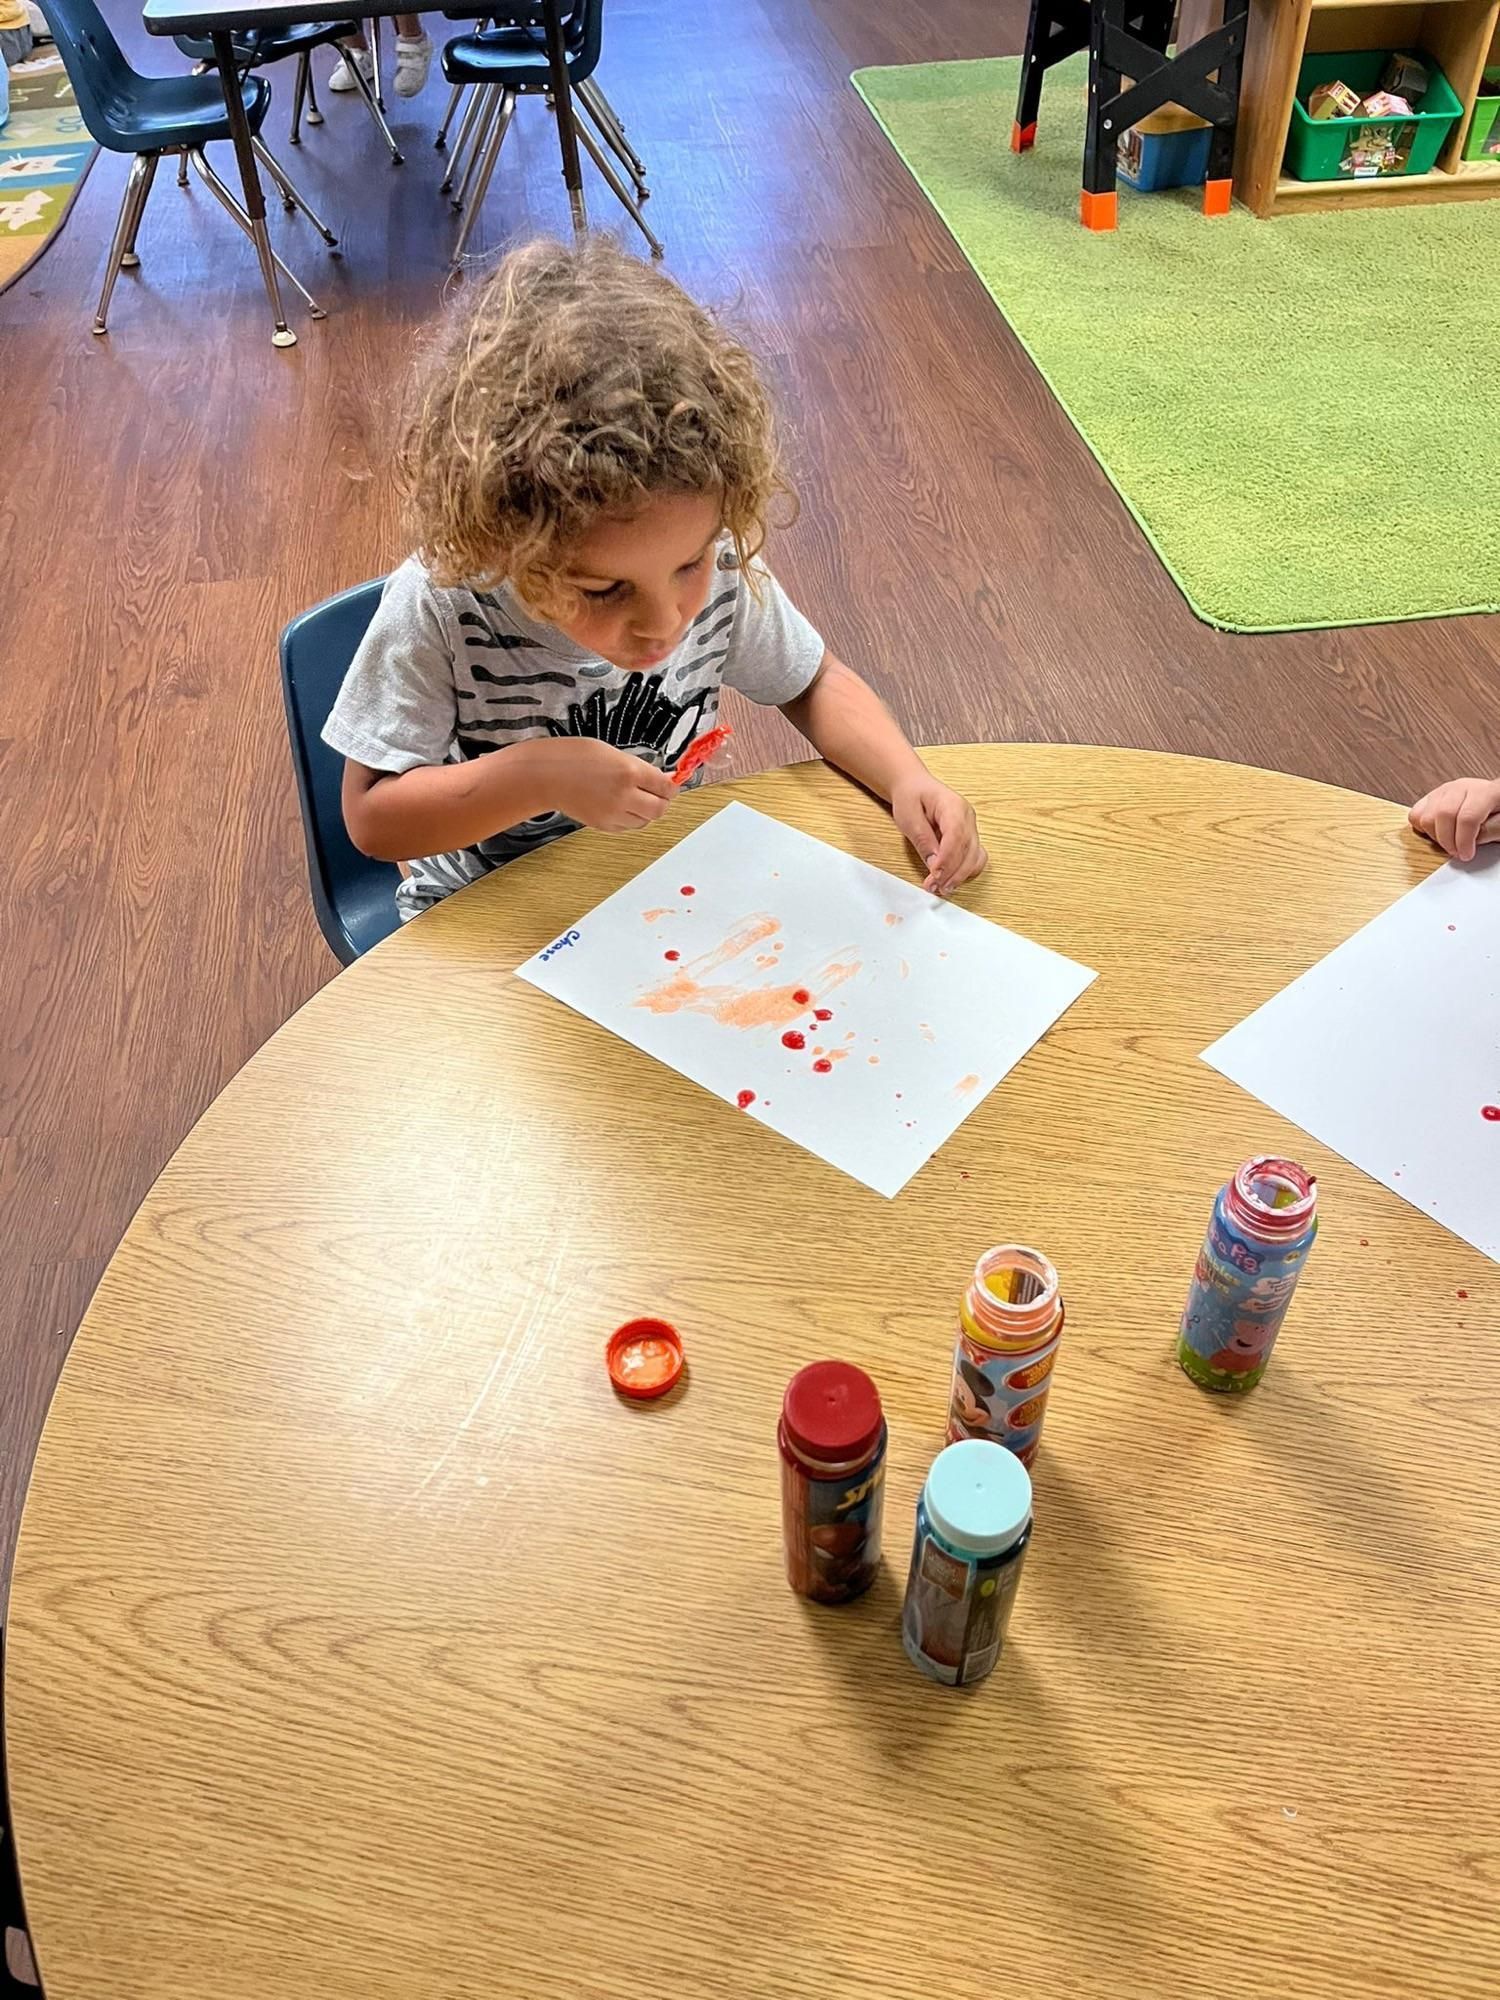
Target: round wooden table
[(364, 1646)]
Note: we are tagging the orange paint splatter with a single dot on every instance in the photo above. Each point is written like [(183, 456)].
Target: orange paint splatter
[(836, 1055), (739, 1005), (850, 1036), (765, 959), (892, 919), (874, 1062), (655, 916), (927, 1034), (966, 1086)]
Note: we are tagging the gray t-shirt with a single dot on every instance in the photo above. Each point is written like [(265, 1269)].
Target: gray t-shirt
[(445, 675)]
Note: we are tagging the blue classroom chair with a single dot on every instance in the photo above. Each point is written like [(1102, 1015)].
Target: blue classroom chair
[(354, 897), (147, 116)]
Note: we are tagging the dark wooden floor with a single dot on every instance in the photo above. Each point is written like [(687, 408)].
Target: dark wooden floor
[(174, 493)]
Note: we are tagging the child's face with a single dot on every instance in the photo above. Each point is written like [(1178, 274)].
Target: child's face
[(641, 581)]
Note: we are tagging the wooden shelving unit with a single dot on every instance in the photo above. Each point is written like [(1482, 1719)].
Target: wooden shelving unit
[(1459, 34)]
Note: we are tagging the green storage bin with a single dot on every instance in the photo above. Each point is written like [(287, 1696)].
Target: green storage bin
[(1317, 148), (1483, 142)]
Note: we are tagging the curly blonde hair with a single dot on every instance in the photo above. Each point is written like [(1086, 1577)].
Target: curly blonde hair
[(579, 382)]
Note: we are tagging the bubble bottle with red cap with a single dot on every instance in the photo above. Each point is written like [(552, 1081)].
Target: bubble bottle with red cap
[(832, 1436), (1262, 1227)]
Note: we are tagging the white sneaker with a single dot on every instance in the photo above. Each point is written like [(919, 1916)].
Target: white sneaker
[(413, 61), (343, 75)]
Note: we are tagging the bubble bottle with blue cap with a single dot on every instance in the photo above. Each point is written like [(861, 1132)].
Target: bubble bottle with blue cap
[(973, 1530)]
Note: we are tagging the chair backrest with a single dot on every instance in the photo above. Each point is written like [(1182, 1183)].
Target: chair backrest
[(96, 67), (354, 897)]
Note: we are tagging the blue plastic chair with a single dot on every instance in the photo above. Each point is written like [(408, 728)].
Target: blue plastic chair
[(147, 116), (507, 63), (255, 48), (18, 1979), (354, 897)]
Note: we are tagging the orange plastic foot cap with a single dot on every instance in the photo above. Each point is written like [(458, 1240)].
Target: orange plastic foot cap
[(1023, 137), (1216, 197), (1098, 211)]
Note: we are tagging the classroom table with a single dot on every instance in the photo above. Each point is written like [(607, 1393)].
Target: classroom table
[(223, 19), (365, 1645)]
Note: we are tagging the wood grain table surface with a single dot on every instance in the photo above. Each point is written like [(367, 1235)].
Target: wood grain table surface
[(364, 1645)]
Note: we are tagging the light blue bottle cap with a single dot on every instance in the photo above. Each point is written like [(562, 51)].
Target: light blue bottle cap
[(978, 1496)]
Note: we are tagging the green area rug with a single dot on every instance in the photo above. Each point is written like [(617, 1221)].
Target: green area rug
[(1299, 413)]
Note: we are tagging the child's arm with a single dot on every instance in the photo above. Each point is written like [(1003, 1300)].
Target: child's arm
[(1460, 816), (399, 816), (844, 718)]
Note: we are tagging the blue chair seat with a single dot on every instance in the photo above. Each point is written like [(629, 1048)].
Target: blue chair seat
[(508, 57), (175, 111), (258, 46)]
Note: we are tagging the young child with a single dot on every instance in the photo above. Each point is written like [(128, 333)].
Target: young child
[(590, 463), (1461, 816)]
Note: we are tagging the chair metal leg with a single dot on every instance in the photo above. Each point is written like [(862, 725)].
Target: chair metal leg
[(496, 139), (622, 193), (215, 186), (299, 95), (472, 109), (489, 118), (136, 182), (612, 132), (376, 108), (292, 195), (128, 260), (372, 36), (182, 179), (453, 101), (314, 115)]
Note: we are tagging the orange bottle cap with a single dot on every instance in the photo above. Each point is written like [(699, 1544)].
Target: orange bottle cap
[(644, 1358)]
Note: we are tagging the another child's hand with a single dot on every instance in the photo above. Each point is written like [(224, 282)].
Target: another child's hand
[(1460, 816), (941, 827), (606, 788)]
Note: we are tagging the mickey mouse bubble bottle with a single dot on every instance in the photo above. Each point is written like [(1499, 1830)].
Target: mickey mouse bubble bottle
[(1010, 1326)]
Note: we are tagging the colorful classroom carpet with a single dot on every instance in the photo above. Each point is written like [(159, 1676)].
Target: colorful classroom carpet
[(44, 154), (1298, 412)]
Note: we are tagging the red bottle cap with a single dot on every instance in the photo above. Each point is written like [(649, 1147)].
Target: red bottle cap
[(644, 1358), (832, 1413)]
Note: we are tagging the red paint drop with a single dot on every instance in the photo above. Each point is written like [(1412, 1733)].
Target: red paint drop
[(822, 1013), (672, 954), (1463, 1295), (1492, 1112), (793, 1040), (745, 1099), (802, 996), (823, 1066), (688, 889)]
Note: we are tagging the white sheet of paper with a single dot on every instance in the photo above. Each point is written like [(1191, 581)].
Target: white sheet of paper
[(1388, 1050), (928, 1005)]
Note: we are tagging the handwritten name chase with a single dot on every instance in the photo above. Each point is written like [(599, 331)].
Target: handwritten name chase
[(561, 945)]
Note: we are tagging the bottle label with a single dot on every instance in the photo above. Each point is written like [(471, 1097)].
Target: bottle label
[(953, 1622), (832, 1529), (1242, 1286), (997, 1398)]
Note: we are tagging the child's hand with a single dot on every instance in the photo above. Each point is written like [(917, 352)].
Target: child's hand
[(606, 788), (941, 827), (1460, 816)]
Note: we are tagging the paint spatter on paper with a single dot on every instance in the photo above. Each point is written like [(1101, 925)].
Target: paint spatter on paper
[(655, 916), (740, 1003), (926, 1031), (1453, 927), (822, 1013), (822, 1066), (892, 919), (745, 1099), (874, 1061), (966, 1085), (687, 889), (792, 1039), (672, 955), (905, 969), (1490, 1111), (765, 960)]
